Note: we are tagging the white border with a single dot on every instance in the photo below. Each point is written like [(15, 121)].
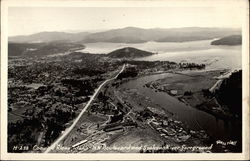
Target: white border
[(122, 3)]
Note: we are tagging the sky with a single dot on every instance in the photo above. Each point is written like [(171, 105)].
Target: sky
[(29, 20)]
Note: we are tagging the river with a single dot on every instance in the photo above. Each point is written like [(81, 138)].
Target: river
[(193, 118), (215, 57)]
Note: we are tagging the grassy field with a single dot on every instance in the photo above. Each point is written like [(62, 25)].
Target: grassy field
[(191, 81), (189, 87)]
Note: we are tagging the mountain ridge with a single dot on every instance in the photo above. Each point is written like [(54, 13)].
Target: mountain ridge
[(48, 36), (131, 35)]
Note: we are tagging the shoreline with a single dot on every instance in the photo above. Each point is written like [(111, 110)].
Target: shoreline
[(133, 95), (226, 73)]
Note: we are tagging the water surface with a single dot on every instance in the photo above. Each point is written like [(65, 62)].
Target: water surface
[(193, 118), (214, 56)]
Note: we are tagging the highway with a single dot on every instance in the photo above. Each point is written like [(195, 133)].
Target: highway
[(69, 129)]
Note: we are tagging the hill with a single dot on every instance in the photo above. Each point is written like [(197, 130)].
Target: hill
[(41, 49), (129, 52), (230, 93), (139, 35), (229, 40), (131, 35), (48, 37)]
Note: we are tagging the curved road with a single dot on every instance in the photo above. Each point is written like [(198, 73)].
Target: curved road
[(68, 130)]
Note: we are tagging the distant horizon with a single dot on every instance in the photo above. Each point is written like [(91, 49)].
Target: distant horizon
[(30, 20), (103, 30)]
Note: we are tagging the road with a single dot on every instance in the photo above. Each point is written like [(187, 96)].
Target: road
[(69, 129)]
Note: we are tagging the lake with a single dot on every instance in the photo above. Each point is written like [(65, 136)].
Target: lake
[(215, 57)]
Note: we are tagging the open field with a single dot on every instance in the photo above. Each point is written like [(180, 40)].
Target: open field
[(192, 88), (193, 81)]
